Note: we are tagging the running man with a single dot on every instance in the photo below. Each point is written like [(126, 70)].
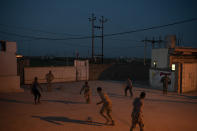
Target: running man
[(107, 106), (137, 115), (129, 87), (87, 92), (35, 91), (49, 78)]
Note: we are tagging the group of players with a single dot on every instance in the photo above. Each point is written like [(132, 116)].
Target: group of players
[(137, 115)]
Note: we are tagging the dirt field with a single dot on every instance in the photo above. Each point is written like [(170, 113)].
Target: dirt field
[(64, 109)]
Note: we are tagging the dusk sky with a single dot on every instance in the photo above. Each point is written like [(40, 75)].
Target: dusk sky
[(24, 20)]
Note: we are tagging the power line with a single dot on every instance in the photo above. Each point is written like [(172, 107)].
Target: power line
[(127, 47), (128, 40), (71, 44), (153, 27), (105, 35), (42, 38), (37, 30), (68, 44)]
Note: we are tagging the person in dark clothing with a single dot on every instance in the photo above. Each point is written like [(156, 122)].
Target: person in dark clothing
[(87, 92), (129, 87), (35, 91), (166, 81), (137, 114)]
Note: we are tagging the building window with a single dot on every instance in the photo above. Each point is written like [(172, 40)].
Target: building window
[(173, 67), (2, 46)]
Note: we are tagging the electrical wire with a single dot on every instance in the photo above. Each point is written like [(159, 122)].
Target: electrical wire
[(36, 30), (105, 35)]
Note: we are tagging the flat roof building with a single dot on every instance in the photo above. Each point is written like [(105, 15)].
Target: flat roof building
[(9, 81), (179, 62)]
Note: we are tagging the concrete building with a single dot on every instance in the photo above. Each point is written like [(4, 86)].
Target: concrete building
[(184, 63), (9, 81), (180, 63)]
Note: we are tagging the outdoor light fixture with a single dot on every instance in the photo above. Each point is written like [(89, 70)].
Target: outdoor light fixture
[(155, 64), (173, 67), (19, 56)]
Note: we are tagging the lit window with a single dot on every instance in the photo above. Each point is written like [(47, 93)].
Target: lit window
[(173, 67)]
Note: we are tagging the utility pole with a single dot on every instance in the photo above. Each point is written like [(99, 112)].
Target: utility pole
[(102, 20), (145, 45), (92, 19), (153, 42), (160, 41)]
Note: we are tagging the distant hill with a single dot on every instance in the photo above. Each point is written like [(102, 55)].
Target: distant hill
[(135, 70)]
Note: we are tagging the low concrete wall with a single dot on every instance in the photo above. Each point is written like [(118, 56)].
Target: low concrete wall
[(61, 74), (10, 84)]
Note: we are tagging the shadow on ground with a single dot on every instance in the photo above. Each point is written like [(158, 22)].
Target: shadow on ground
[(118, 95), (65, 102), (190, 97), (170, 101), (57, 119), (14, 101)]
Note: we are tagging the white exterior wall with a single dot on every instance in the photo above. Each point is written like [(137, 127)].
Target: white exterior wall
[(10, 84), (161, 57), (155, 79), (82, 68), (61, 74), (9, 81), (8, 62)]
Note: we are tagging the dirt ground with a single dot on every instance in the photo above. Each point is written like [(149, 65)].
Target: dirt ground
[(64, 109)]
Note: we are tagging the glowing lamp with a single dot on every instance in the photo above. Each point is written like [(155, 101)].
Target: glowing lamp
[(173, 67), (155, 64), (19, 56)]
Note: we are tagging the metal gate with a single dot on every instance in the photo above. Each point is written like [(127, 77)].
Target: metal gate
[(189, 77), (82, 70)]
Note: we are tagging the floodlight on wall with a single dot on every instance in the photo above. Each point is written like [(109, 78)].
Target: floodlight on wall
[(155, 64), (173, 67), (19, 56)]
